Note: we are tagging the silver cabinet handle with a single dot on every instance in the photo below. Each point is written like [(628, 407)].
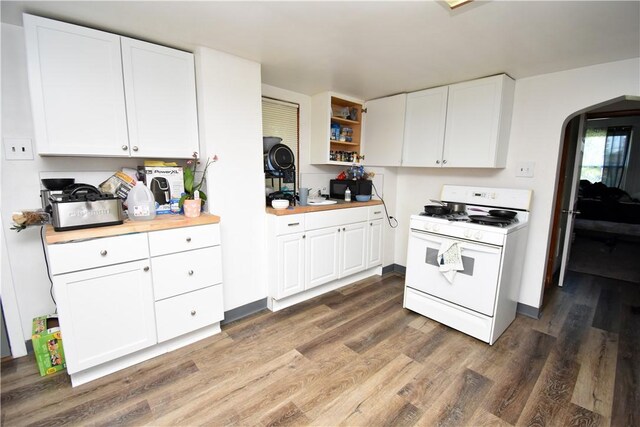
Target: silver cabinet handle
[(377, 212), (571, 212), (437, 162), (193, 312), (190, 272), (338, 230), (371, 224), (103, 252), (125, 148), (146, 268), (188, 239), (304, 236), (344, 229), (293, 224), (444, 162), (135, 148)]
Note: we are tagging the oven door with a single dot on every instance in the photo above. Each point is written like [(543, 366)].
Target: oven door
[(475, 287)]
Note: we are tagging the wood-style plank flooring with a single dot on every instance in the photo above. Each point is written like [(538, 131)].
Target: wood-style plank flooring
[(356, 357)]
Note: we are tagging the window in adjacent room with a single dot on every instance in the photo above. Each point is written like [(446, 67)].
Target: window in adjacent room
[(605, 155), (280, 118)]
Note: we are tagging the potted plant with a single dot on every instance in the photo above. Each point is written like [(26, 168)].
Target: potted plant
[(194, 198)]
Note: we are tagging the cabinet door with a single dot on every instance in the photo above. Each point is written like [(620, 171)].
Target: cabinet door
[(290, 264), (374, 245), (75, 78), (383, 125), (161, 100), (353, 253), (424, 127), (473, 123), (105, 313), (321, 250)]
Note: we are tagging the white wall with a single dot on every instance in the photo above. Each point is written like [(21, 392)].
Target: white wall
[(542, 106), (230, 120)]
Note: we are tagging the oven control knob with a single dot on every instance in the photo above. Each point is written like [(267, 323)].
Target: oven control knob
[(427, 227), (478, 235), (436, 227), (468, 234)]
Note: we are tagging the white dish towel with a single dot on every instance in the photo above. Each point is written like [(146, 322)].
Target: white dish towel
[(450, 259)]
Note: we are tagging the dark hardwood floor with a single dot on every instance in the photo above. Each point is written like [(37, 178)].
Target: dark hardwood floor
[(356, 357)]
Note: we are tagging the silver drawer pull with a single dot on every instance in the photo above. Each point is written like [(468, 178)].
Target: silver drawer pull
[(193, 312), (293, 224), (146, 268), (377, 212), (188, 239), (190, 272), (125, 148), (135, 148), (103, 252)]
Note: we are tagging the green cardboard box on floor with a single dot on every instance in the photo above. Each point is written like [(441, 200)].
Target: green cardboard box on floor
[(47, 344)]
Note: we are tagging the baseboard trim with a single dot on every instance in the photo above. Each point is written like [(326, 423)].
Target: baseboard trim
[(244, 311), (527, 310), (394, 268)]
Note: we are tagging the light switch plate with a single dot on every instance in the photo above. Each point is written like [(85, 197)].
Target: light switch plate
[(525, 169), (18, 149)]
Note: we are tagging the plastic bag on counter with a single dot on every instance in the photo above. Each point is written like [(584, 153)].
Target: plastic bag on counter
[(27, 218), (119, 184)]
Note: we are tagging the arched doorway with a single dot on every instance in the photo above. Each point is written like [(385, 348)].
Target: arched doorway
[(617, 111)]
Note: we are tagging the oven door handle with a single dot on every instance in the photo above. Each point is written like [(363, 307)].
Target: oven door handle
[(477, 247)]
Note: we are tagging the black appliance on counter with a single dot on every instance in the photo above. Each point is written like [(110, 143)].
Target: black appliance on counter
[(160, 189), (280, 167), (84, 206), (337, 188)]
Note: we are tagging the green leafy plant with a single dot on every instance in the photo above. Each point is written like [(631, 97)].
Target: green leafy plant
[(190, 185)]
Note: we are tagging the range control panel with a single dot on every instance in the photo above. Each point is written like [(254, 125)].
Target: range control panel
[(487, 196)]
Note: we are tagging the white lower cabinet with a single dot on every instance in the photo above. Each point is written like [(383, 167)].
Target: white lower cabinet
[(314, 249), (322, 255), (117, 305), (290, 264), (374, 246), (105, 313)]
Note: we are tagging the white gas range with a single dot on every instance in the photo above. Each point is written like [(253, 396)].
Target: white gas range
[(480, 296)]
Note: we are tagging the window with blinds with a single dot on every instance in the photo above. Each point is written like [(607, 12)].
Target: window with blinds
[(280, 118)]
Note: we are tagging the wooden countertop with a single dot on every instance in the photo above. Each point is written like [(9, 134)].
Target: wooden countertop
[(306, 209), (161, 222)]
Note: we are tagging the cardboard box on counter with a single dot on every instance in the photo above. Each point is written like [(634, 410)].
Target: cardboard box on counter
[(167, 185), (47, 344)]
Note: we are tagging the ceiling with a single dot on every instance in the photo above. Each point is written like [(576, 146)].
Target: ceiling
[(372, 49)]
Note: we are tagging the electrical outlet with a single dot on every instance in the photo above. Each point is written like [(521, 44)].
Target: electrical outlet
[(525, 169), (18, 149)]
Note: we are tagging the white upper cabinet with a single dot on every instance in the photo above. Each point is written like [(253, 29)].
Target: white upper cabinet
[(383, 129), (424, 127), (478, 123), (75, 75), (160, 92), (98, 94)]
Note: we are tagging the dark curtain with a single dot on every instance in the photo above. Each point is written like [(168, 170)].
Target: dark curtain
[(616, 149)]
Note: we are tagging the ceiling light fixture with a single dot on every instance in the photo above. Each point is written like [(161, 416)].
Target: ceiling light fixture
[(457, 3)]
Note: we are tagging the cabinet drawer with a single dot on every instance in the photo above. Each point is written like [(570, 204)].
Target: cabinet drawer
[(289, 224), (336, 217), (188, 312), (184, 272), (376, 212), (183, 239), (75, 256)]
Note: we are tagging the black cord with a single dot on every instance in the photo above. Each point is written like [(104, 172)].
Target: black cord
[(46, 262), (389, 218)]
